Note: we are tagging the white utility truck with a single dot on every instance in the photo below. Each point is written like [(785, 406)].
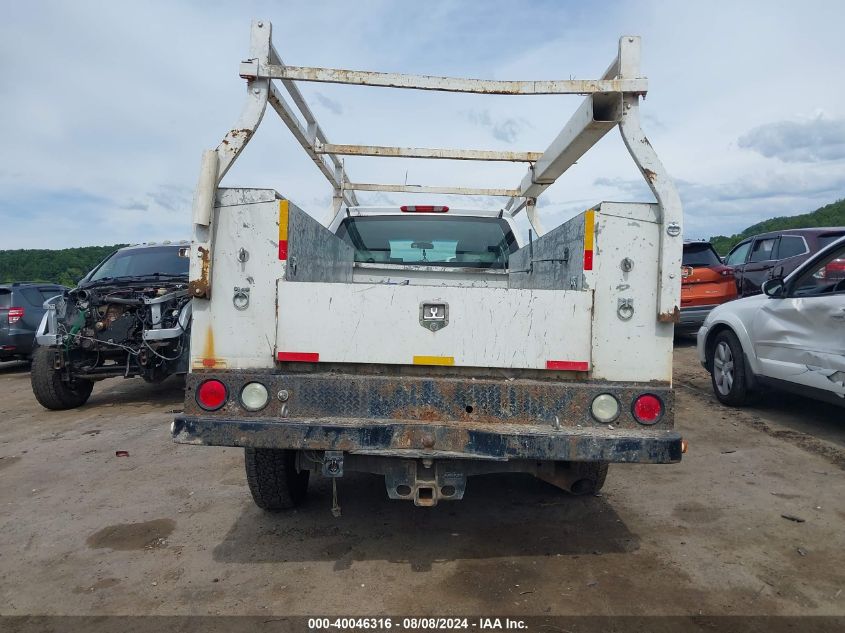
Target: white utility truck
[(427, 343)]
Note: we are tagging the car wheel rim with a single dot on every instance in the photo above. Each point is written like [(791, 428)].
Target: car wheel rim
[(723, 368)]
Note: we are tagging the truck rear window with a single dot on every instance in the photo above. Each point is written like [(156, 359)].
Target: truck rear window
[(469, 242), (5, 298)]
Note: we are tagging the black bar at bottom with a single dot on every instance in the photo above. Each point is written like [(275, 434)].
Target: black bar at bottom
[(411, 438)]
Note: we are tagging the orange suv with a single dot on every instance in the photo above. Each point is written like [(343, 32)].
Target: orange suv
[(705, 283)]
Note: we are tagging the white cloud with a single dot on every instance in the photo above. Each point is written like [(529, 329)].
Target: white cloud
[(107, 106), (507, 129), (815, 140)]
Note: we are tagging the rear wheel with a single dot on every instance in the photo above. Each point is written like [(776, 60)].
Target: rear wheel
[(589, 477), (273, 479), (728, 372), (51, 391)]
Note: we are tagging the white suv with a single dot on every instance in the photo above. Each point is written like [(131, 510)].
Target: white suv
[(792, 336)]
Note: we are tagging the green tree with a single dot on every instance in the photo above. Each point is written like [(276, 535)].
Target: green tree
[(829, 215), (64, 266)]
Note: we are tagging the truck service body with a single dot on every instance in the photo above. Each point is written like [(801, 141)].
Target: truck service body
[(427, 343)]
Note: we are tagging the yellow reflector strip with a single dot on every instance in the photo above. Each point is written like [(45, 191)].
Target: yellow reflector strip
[(283, 220), (589, 228), (283, 230), (434, 360)]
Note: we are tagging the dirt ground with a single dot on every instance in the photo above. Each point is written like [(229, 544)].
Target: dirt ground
[(171, 529)]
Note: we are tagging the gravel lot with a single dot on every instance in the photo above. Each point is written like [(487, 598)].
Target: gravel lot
[(171, 529)]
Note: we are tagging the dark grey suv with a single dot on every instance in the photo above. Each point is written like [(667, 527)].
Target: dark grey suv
[(21, 309)]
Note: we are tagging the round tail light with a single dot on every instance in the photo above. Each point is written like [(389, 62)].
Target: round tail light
[(211, 395), (254, 396), (605, 408), (648, 409)]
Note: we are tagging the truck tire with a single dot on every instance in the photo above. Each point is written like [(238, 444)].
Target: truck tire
[(728, 373), (48, 387), (273, 480), (589, 477)]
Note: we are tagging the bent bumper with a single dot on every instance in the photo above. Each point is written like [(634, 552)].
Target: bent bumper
[(436, 440)]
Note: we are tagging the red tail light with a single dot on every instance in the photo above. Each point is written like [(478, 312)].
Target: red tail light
[(835, 269), (423, 209), (724, 271), (648, 409), (212, 394), (15, 315)]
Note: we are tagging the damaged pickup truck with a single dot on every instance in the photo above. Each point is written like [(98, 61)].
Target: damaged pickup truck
[(130, 316)]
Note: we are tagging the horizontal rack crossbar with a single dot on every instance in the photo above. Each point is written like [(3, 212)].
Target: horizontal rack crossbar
[(463, 191), (252, 69), (423, 152)]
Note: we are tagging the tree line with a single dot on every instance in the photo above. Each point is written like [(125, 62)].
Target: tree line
[(64, 266), (829, 215)]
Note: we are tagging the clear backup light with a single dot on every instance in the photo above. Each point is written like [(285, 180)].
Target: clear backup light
[(254, 396), (605, 408)]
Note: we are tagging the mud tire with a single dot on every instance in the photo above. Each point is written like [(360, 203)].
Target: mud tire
[(48, 387), (589, 477), (273, 480)]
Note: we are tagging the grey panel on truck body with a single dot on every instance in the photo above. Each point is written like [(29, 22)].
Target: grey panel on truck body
[(566, 242), (314, 252)]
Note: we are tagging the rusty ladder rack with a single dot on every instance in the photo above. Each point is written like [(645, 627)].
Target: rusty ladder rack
[(611, 100)]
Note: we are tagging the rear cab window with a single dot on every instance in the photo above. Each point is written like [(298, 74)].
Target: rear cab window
[(458, 241), (700, 254)]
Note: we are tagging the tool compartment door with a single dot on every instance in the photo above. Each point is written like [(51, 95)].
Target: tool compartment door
[(388, 324)]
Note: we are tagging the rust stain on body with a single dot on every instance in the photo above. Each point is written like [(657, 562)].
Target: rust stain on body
[(201, 288), (208, 348), (208, 360), (673, 316)]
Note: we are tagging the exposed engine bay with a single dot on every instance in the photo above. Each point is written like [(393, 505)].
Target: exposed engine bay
[(130, 329)]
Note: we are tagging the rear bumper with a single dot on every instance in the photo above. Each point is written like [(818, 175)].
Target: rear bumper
[(693, 317), (439, 440), (16, 343)]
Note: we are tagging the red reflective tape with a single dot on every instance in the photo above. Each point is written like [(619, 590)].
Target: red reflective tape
[(298, 357), (588, 260), (283, 250), (568, 365)]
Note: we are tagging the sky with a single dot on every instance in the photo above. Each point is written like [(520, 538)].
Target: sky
[(106, 107)]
